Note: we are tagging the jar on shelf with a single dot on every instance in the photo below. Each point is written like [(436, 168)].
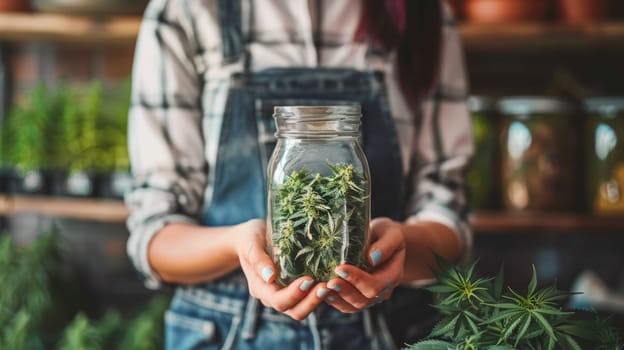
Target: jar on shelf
[(482, 175), (539, 154), (584, 11), (505, 11), (319, 192), (604, 154)]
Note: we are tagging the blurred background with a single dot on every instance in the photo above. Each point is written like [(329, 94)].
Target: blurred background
[(547, 185)]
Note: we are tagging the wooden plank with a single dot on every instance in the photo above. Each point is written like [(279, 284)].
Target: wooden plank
[(556, 223), (482, 222), (124, 29), (542, 36), (112, 30), (75, 208)]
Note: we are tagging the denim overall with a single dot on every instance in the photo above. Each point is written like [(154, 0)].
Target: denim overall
[(221, 314)]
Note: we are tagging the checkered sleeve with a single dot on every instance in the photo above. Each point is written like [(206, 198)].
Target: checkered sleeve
[(444, 145), (164, 131)]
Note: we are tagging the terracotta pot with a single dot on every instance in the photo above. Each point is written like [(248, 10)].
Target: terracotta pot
[(14, 5), (584, 11), (505, 11)]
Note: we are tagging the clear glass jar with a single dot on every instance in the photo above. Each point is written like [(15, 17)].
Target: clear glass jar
[(318, 192), (483, 174), (604, 154), (540, 143)]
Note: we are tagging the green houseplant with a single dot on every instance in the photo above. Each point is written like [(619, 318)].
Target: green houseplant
[(68, 130), (113, 172), (478, 313), (43, 306), (37, 141)]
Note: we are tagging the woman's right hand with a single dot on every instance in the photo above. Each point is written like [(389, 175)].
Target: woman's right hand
[(296, 300)]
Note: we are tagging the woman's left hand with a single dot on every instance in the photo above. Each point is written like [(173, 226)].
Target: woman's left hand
[(357, 289)]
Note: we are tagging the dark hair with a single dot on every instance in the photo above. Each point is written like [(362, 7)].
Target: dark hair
[(413, 28)]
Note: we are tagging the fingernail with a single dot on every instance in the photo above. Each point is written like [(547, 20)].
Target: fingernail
[(321, 292), (335, 288), (267, 273), (342, 274), (305, 285), (375, 256), (331, 298)]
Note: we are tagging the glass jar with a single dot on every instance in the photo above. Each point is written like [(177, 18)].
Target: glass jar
[(539, 154), (482, 175), (318, 192), (604, 154)]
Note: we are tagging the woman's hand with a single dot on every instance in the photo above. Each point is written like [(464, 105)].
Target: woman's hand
[(357, 289), (296, 300)]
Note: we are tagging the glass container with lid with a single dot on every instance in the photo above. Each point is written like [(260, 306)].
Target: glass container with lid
[(604, 154), (539, 154), (482, 175), (319, 192)]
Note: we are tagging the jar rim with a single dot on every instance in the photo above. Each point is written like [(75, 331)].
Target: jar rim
[(349, 111), (604, 104), (478, 103), (523, 105)]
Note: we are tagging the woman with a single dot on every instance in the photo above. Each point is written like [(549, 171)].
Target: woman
[(206, 76)]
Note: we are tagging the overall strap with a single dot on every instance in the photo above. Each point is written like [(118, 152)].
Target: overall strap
[(230, 20)]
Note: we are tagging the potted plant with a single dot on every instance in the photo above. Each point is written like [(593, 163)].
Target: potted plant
[(96, 140), (478, 313), (115, 179), (82, 129), (27, 141)]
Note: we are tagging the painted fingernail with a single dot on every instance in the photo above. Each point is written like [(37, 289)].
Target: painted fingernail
[(342, 274), (375, 256), (267, 273), (305, 285), (335, 288), (321, 292), (331, 298)]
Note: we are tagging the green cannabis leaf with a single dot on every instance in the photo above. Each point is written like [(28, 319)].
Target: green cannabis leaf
[(477, 314), (319, 222)]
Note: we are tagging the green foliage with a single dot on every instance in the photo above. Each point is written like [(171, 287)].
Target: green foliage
[(84, 334), (145, 331), (31, 310), (319, 222), (66, 128), (478, 314), (25, 296), (23, 131)]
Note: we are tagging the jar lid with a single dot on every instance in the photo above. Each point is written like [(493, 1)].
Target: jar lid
[(480, 103), (534, 105), (604, 104)]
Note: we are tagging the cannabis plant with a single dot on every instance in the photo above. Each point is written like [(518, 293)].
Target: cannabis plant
[(25, 296), (319, 222), (39, 308), (478, 314)]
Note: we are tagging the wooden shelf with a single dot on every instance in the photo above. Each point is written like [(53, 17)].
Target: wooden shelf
[(545, 36), (113, 211), (551, 223), (483, 223), (111, 30), (124, 29)]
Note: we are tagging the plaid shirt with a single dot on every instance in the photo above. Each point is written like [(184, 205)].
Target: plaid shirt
[(180, 87)]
